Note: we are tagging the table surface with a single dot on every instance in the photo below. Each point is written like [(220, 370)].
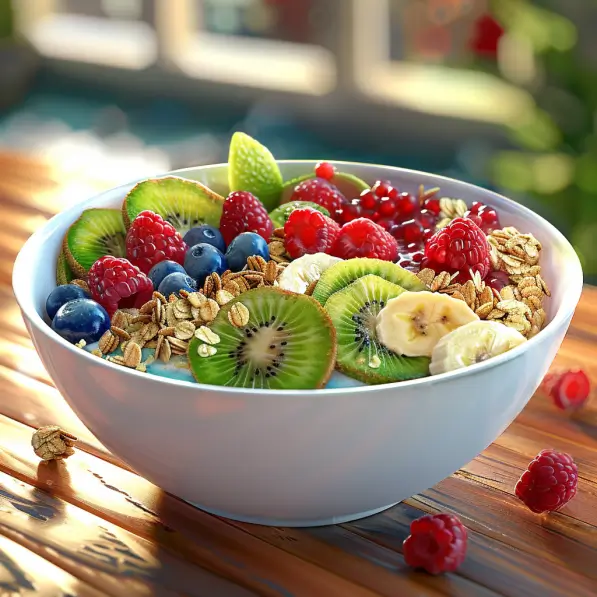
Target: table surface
[(90, 526)]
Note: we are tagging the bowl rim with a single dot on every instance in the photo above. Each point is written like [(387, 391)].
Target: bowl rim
[(569, 300)]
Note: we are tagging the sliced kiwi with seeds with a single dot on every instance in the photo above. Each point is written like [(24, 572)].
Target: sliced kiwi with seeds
[(345, 272), (282, 213), (64, 274), (182, 202), (96, 233), (354, 311), (288, 343), (348, 184)]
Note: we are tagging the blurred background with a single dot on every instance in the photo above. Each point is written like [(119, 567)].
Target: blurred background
[(502, 93)]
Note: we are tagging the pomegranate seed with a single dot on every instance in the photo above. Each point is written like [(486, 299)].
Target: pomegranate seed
[(393, 193), (432, 205), (476, 206), (387, 207), (351, 211), (386, 223), (412, 231), (418, 256), (406, 204), (497, 280), (382, 188), (368, 200), (569, 390), (325, 170), (427, 218), (428, 233)]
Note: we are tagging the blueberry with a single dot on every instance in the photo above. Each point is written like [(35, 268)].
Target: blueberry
[(205, 234), (61, 295), (174, 283), (81, 319), (202, 260), (244, 246), (162, 269)]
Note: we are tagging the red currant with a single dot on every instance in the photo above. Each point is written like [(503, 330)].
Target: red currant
[(325, 170)]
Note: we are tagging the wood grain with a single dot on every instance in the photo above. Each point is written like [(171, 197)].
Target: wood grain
[(90, 526)]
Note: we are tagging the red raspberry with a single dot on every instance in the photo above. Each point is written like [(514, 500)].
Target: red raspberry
[(243, 212), (364, 238), (437, 543), (115, 283), (325, 170), (549, 481), (309, 231), (151, 239), (569, 389), (459, 247), (322, 192)]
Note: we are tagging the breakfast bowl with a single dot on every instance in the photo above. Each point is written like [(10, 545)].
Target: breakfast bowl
[(299, 457)]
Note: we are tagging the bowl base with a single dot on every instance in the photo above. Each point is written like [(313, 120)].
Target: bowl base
[(282, 522)]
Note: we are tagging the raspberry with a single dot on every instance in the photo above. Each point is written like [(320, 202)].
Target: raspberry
[(437, 543), (459, 247), (325, 170), (549, 482), (322, 192), (243, 212), (364, 238), (115, 283), (569, 389), (151, 239), (309, 231)]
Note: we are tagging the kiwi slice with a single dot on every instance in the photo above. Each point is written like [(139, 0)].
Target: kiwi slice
[(345, 272), (353, 311), (288, 343), (349, 185), (252, 168), (182, 202), (64, 274), (282, 213), (96, 233)]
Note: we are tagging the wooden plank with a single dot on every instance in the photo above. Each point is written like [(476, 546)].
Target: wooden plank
[(99, 553), (122, 498), (25, 573), (492, 559)]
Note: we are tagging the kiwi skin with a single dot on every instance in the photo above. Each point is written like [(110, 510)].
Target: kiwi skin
[(78, 270), (209, 194), (223, 313), (64, 273)]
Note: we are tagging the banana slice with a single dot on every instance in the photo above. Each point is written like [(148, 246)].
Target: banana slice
[(298, 274), (413, 323), (472, 343)]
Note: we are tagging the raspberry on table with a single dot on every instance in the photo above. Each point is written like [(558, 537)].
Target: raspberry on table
[(549, 482), (322, 192), (309, 231), (151, 239), (115, 283), (243, 212), (569, 389), (437, 543), (459, 247), (364, 238)]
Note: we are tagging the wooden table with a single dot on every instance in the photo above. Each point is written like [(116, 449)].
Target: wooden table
[(91, 526)]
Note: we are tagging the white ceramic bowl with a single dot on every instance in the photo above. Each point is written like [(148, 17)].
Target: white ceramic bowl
[(299, 458)]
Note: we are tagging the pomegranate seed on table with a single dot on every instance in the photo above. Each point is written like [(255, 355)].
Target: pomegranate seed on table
[(549, 482), (569, 390)]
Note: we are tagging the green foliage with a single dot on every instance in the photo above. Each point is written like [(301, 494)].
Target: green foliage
[(556, 159), (6, 19)]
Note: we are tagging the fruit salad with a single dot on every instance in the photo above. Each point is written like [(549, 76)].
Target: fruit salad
[(322, 281)]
